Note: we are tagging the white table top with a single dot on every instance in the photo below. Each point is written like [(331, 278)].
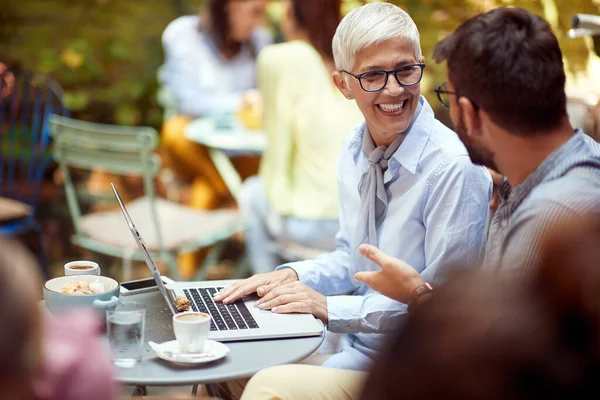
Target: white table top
[(232, 137), (244, 359)]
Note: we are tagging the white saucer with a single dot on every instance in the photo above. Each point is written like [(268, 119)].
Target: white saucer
[(169, 351)]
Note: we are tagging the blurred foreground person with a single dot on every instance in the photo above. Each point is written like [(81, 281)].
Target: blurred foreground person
[(295, 197), (77, 363), (20, 334), (505, 338), (210, 69), (42, 356), (483, 335)]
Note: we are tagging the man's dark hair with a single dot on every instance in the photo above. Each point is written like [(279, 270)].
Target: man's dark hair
[(509, 63)]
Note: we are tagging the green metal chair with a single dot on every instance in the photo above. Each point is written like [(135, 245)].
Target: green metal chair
[(168, 228)]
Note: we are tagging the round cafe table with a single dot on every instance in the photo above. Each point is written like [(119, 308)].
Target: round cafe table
[(244, 359), (231, 136), (225, 139)]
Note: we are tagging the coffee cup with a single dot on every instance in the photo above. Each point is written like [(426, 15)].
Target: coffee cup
[(82, 268), (191, 331)]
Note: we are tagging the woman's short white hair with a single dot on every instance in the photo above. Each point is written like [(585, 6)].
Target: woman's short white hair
[(371, 24)]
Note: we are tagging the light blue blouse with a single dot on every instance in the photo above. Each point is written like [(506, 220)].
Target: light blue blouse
[(436, 221)]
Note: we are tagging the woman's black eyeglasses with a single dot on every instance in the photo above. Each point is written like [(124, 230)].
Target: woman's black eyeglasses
[(374, 81), (442, 95)]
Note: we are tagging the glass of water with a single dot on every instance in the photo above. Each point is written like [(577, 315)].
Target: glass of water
[(125, 330)]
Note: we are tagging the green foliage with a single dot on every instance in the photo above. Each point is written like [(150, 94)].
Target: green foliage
[(105, 53), (437, 18)]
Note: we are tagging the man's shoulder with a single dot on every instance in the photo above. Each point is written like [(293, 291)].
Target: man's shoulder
[(577, 191)]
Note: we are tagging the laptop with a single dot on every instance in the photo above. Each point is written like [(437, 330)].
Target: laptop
[(232, 322)]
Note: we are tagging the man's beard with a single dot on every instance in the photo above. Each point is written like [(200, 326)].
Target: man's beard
[(478, 154)]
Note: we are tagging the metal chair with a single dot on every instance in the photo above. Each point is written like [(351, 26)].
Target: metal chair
[(168, 228), (27, 100)]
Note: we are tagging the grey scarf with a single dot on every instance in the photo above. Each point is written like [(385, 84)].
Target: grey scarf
[(373, 198)]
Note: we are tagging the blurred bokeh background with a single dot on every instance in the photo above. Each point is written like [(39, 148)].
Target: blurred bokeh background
[(106, 53)]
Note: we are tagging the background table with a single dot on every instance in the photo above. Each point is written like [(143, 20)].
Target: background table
[(224, 141), (244, 359)]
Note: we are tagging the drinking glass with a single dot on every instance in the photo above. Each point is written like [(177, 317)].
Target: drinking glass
[(125, 329)]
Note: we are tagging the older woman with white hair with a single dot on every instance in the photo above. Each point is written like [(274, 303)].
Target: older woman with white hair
[(406, 185)]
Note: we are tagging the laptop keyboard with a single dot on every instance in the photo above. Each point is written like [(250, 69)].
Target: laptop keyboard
[(225, 317)]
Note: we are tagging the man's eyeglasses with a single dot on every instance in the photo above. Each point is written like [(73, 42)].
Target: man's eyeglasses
[(374, 81), (442, 95)]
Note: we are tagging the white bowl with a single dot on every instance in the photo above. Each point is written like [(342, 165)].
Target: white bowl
[(57, 301)]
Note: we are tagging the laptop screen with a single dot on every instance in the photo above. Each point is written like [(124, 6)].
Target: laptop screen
[(142, 246)]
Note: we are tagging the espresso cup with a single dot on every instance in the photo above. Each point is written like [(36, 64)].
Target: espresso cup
[(82, 268), (191, 331)]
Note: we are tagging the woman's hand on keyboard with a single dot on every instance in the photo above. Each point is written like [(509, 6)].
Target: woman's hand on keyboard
[(295, 297), (260, 284)]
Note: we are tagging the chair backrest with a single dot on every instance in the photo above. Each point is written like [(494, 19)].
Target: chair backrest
[(115, 149), (27, 101)]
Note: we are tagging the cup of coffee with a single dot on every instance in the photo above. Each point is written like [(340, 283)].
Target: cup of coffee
[(191, 331), (82, 268)]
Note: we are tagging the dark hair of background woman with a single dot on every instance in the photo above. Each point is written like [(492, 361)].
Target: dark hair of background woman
[(219, 28), (320, 19)]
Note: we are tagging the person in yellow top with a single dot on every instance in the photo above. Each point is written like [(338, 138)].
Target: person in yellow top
[(295, 195)]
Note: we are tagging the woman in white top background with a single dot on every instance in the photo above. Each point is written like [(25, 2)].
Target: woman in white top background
[(210, 58), (209, 69)]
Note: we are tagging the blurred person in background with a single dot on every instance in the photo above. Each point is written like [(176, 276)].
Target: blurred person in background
[(552, 172), (406, 185), (210, 71), (295, 197)]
